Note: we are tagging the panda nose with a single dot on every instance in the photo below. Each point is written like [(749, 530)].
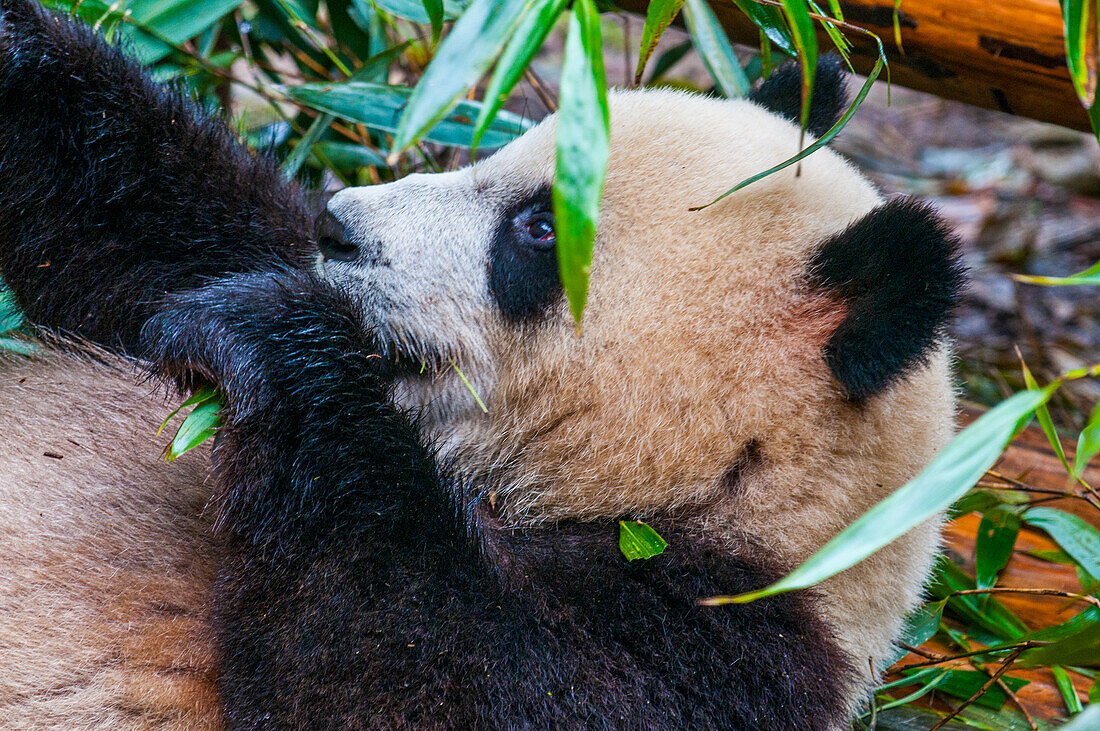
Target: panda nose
[(333, 240)]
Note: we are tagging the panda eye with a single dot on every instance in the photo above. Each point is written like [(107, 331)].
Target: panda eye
[(538, 231)]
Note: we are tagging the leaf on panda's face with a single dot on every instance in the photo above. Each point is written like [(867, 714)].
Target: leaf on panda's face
[(638, 540), (583, 149)]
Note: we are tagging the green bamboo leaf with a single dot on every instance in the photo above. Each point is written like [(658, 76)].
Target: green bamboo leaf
[(203, 394), (668, 59), (375, 67), (638, 540), (298, 155), (993, 548), (1046, 422), (347, 155), (1088, 443), (947, 478), (1076, 537), (769, 20), (658, 16), (461, 59), (805, 42), (201, 424), (434, 9), (965, 683), (583, 140), (714, 48), (10, 316), (17, 345), (417, 11), (1080, 21), (923, 623), (806, 152), (1065, 687), (173, 20), (1082, 648), (979, 612), (526, 42), (379, 106), (1087, 720), (1089, 276)]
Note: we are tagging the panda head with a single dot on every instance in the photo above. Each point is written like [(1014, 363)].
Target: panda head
[(712, 340)]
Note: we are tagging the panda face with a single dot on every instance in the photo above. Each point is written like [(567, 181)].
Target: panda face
[(700, 370)]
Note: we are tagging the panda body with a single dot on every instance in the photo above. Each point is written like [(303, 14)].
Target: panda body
[(368, 548)]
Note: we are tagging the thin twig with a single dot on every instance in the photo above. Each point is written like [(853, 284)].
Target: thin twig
[(1016, 699), (543, 93), (981, 691), (937, 659), (1041, 592)]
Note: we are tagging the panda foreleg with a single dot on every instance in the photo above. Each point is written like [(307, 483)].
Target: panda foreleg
[(115, 190)]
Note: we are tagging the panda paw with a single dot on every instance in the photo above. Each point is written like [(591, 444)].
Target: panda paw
[(279, 340)]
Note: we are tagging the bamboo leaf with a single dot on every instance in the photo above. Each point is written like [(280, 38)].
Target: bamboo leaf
[(526, 42), (461, 59), (805, 42), (298, 155), (434, 10), (981, 612), (583, 138), (658, 16), (201, 424), (1076, 537), (1089, 276), (1080, 21), (950, 474), (379, 106), (1088, 443), (714, 48), (1046, 422), (1065, 687), (769, 20), (993, 548), (1082, 648), (172, 21), (806, 152), (417, 11), (1087, 720), (638, 540)]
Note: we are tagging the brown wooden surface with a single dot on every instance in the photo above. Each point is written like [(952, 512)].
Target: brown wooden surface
[(1030, 459), (1007, 55)]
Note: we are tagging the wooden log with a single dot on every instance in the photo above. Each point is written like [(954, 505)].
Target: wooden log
[(1007, 55)]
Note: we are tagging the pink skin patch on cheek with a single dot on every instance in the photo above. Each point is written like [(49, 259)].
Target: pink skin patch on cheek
[(809, 326)]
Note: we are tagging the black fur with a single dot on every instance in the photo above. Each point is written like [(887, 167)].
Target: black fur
[(524, 282), (360, 589), (114, 190), (898, 272), (782, 93)]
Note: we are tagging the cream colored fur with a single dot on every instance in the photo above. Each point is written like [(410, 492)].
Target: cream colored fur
[(701, 336), (105, 554)]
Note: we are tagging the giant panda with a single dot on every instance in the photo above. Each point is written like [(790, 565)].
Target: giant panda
[(365, 547)]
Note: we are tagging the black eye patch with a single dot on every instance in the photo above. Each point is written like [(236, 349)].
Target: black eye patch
[(523, 260)]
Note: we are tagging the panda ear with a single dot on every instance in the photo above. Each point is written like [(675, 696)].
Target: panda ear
[(782, 93), (898, 273)]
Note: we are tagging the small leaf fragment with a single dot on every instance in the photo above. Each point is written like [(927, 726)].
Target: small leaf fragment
[(638, 540)]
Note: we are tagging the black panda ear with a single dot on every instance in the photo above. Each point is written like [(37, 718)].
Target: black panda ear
[(782, 93), (898, 273)]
